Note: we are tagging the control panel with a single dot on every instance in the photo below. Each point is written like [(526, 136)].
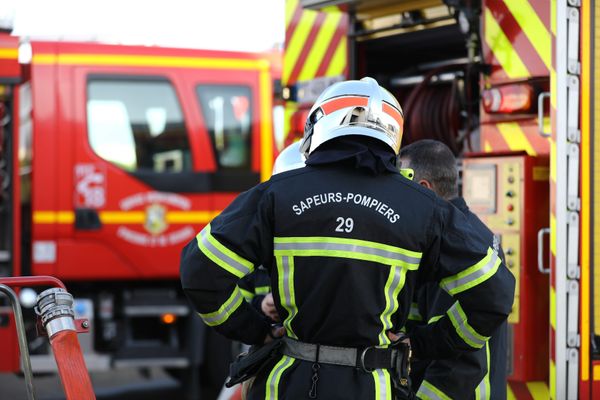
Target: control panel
[(510, 194)]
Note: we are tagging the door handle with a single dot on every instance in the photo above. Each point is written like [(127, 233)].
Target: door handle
[(541, 130), (541, 233), (87, 219)]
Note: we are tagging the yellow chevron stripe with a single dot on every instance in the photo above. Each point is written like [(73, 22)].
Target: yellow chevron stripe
[(533, 27), (487, 147), (151, 61), (9, 53), (296, 43), (503, 49), (538, 390), (596, 372), (339, 59), (320, 46), (125, 217), (290, 7), (509, 393), (515, 137)]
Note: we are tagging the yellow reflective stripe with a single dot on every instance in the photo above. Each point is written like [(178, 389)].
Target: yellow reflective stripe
[(347, 248), (463, 329), (150, 61), (9, 53), (221, 255), (515, 137), (538, 390), (262, 290), (503, 48), (287, 297), (533, 27), (320, 45), (473, 275), (393, 286), (248, 295), (272, 389), (338, 62), (482, 392), (266, 125), (434, 319), (383, 388), (226, 309), (296, 43), (414, 314), (429, 392), (290, 8), (53, 217)]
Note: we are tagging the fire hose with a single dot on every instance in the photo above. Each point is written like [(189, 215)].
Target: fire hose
[(55, 310)]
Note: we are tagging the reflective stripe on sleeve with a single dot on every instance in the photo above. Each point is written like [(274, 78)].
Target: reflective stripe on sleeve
[(248, 295), (223, 313), (473, 275), (465, 331), (319, 246), (383, 388), (287, 297), (429, 392), (393, 286), (221, 255), (272, 389), (263, 290), (414, 314)]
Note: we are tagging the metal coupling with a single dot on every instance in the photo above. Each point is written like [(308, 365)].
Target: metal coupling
[(55, 308)]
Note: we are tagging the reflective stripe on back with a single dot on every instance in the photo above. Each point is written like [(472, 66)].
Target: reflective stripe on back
[(473, 275), (463, 329), (383, 388), (272, 389), (287, 297), (393, 286), (221, 255), (318, 246)]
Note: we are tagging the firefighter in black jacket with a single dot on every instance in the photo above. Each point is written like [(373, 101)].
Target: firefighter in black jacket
[(475, 375), (346, 240)]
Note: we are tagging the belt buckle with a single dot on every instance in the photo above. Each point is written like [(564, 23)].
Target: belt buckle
[(362, 359)]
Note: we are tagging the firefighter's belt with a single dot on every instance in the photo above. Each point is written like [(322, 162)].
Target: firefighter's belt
[(367, 359)]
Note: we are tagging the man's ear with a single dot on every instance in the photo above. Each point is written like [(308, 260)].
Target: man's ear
[(426, 183)]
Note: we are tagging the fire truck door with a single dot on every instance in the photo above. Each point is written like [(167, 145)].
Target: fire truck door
[(510, 195)]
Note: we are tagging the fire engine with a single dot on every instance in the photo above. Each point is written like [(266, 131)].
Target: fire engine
[(111, 159), (510, 86)]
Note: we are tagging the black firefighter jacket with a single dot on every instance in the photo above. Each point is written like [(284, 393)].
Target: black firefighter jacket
[(346, 240)]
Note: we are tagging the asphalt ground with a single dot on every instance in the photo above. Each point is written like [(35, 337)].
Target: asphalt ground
[(129, 384)]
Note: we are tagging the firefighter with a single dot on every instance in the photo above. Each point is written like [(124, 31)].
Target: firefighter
[(346, 239), (484, 371)]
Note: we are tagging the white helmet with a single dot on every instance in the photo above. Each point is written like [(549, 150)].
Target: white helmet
[(354, 108), (289, 158)]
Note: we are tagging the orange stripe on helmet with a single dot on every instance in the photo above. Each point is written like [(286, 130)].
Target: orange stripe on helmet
[(338, 103), (394, 113)]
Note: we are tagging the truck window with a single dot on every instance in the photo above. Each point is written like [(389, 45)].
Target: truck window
[(227, 112), (137, 125)]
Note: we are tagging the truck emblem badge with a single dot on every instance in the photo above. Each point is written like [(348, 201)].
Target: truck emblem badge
[(156, 222)]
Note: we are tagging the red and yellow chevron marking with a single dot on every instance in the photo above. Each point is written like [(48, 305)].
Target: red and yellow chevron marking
[(514, 136), (527, 391), (517, 43), (517, 40), (315, 43)]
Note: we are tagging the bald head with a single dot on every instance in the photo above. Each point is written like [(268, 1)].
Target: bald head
[(434, 166)]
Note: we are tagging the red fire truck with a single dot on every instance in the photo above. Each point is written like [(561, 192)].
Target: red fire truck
[(111, 159), (511, 86)]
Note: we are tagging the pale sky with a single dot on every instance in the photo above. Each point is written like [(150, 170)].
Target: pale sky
[(242, 25)]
